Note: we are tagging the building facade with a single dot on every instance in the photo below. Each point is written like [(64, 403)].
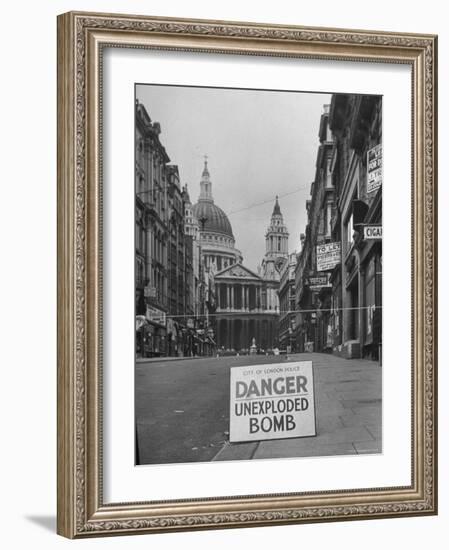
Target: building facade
[(174, 295), (313, 291), (151, 257), (338, 276), (356, 124), (287, 305), (193, 257)]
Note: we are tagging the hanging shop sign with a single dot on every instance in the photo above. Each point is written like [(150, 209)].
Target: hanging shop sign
[(372, 232), (318, 282), (155, 315), (327, 256), (140, 321), (274, 401), (374, 172)]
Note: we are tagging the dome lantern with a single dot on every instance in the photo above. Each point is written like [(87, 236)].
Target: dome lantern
[(206, 184)]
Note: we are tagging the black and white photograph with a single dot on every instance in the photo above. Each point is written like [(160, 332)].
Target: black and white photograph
[(258, 274)]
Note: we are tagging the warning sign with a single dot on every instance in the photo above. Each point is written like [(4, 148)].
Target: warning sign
[(272, 402)]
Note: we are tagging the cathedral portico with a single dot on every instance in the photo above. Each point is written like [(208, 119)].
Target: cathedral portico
[(242, 310), (237, 296)]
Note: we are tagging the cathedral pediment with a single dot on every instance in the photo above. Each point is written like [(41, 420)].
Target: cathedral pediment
[(237, 271)]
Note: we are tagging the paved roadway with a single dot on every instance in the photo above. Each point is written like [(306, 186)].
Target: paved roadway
[(182, 410)]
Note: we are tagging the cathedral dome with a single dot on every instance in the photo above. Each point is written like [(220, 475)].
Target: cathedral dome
[(215, 220), (211, 217)]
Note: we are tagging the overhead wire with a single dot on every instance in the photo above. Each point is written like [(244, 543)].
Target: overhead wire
[(255, 204)]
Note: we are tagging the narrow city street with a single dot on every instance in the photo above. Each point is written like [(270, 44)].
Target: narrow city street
[(182, 410)]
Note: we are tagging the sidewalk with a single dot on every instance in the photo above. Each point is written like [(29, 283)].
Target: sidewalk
[(348, 396), (170, 358)]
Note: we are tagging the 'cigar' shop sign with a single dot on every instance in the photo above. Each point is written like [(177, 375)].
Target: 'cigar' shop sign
[(272, 402)]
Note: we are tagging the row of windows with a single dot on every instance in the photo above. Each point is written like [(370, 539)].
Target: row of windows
[(158, 242), (217, 238)]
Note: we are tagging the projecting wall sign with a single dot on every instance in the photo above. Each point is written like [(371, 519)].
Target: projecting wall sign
[(327, 256), (374, 172), (372, 232), (318, 282), (272, 402)]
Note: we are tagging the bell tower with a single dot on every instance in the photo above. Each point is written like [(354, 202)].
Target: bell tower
[(276, 244)]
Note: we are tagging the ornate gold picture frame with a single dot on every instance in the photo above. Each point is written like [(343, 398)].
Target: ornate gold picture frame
[(82, 41)]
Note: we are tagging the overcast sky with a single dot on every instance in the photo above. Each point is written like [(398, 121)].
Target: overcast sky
[(259, 144)]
